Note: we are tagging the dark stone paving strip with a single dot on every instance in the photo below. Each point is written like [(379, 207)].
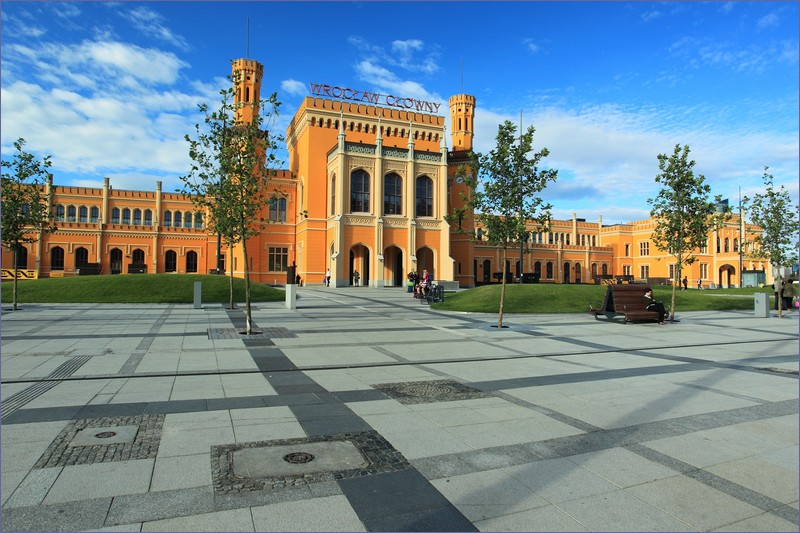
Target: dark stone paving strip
[(138, 354), (402, 501), (630, 437), (108, 336), (751, 497), (408, 502)]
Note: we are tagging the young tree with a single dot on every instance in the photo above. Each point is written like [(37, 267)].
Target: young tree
[(25, 212), (778, 243), (504, 191), (684, 212), (233, 164)]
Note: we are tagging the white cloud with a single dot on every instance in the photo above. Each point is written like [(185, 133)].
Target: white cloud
[(647, 16), (607, 155), (387, 80), (151, 23), (768, 21), (530, 45), (294, 87)]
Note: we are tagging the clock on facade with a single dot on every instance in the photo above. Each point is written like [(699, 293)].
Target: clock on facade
[(459, 179)]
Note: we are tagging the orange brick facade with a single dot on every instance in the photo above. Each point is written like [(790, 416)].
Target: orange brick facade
[(367, 190)]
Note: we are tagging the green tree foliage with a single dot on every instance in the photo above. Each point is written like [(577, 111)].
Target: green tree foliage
[(684, 211), (233, 163), (25, 213), (504, 192), (778, 218)]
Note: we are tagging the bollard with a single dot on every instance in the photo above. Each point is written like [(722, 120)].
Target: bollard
[(291, 296), (198, 291), (761, 304)]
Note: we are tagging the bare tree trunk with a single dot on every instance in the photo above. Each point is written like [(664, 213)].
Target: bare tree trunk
[(675, 283), (230, 272), (502, 291), (248, 322), (14, 292)]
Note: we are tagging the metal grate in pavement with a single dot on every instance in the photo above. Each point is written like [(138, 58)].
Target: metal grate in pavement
[(19, 399), (443, 390), (238, 333)]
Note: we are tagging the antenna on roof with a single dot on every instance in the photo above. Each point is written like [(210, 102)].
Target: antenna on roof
[(462, 74), (247, 50)]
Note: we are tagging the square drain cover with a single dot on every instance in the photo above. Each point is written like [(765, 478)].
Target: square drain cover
[(442, 390), (297, 459), (285, 463), (105, 435)]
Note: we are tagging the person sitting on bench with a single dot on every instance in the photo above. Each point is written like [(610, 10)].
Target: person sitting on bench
[(652, 305)]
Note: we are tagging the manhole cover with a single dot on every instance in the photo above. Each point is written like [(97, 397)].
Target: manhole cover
[(105, 435), (443, 390), (298, 457), (271, 465)]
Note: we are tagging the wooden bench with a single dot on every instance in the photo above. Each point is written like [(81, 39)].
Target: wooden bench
[(624, 300)]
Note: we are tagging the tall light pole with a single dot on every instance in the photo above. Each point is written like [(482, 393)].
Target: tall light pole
[(741, 241)]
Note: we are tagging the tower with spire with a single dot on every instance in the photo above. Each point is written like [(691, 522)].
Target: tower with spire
[(247, 75)]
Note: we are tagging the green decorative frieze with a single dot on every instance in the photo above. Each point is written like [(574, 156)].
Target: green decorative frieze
[(359, 149), (395, 152)]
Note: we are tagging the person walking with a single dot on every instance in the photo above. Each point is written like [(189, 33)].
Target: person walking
[(328, 278), (685, 283), (356, 277)]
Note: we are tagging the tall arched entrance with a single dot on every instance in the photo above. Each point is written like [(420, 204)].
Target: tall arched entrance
[(566, 273), (425, 261), (116, 260), (393, 265), (359, 260), (578, 275), (727, 276)]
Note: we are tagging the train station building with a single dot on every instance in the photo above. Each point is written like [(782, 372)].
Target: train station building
[(371, 178)]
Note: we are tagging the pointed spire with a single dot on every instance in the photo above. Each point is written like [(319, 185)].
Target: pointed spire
[(410, 135), (379, 136)]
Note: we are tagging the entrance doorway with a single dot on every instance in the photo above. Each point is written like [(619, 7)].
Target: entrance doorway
[(359, 260), (393, 261), (425, 261)]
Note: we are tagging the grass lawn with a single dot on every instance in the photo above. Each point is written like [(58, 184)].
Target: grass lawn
[(557, 298), (130, 288)]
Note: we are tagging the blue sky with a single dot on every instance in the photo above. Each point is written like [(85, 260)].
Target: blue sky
[(110, 89)]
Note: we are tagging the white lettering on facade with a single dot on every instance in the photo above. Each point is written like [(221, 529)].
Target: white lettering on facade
[(346, 93)]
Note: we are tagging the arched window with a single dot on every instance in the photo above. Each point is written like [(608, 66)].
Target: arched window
[(537, 268), (60, 213), (424, 197), (605, 269), (81, 256), (277, 210), (71, 214), (479, 234), (727, 245), (735, 245), (392, 194), (177, 219), (549, 267), (22, 257), (594, 240), (115, 215), (170, 261), (137, 217), (82, 214), (333, 195), (126, 216), (116, 260), (148, 217), (57, 258), (198, 220), (191, 261), (94, 215), (359, 191), (718, 245), (187, 221), (167, 218), (137, 256)]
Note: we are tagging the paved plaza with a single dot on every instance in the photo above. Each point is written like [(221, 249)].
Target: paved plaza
[(364, 410)]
